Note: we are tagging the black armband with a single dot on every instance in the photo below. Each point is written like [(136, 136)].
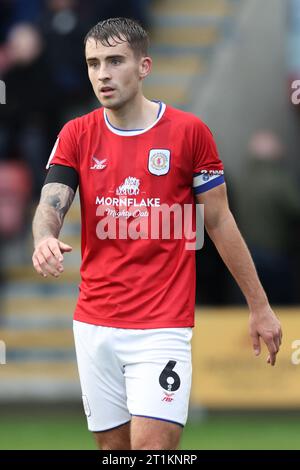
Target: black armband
[(64, 175)]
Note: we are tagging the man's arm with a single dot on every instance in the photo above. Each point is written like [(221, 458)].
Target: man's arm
[(222, 229), (56, 199)]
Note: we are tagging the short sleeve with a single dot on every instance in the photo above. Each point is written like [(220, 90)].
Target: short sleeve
[(65, 150), (208, 168)]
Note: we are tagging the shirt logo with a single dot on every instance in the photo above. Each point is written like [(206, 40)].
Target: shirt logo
[(159, 161), (129, 187), (99, 164), (168, 397)]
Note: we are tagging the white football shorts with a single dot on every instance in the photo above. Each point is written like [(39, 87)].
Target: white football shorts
[(133, 372)]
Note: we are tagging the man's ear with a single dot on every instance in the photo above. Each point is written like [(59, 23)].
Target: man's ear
[(145, 66)]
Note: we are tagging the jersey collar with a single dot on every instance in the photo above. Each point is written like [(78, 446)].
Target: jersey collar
[(131, 132)]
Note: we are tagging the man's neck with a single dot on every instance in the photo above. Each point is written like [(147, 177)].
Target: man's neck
[(138, 115)]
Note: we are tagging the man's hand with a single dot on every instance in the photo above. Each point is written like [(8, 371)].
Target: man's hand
[(264, 324), (47, 257)]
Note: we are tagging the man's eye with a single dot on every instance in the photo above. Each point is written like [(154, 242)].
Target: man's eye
[(93, 64), (115, 61)]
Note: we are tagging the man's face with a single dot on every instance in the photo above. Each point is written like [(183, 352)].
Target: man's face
[(115, 72)]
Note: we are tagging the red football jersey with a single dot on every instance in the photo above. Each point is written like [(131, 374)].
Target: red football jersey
[(136, 271)]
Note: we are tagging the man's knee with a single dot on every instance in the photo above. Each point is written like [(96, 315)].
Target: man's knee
[(114, 439), (152, 434)]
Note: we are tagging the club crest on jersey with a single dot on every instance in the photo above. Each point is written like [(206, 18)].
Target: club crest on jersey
[(159, 161), (98, 164)]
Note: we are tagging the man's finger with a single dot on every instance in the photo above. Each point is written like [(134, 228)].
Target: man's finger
[(41, 261), (49, 256), (46, 267), (271, 359), (280, 335), (271, 345), (273, 349), (37, 266), (277, 342), (54, 247), (57, 257), (64, 247), (256, 344)]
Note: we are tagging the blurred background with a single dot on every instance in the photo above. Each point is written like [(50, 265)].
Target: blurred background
[(231, 62)]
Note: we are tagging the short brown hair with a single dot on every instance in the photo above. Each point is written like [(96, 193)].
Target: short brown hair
[(120, 30)]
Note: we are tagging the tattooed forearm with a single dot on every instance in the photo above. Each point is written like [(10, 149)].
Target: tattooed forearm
[(56, 199)]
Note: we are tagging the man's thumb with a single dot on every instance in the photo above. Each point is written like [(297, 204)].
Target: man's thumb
[(256, 345), (64, 247)]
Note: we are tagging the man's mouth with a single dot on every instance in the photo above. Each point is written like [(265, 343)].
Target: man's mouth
[(106, 89)]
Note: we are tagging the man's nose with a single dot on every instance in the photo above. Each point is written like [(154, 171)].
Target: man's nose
[(104, 73)]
